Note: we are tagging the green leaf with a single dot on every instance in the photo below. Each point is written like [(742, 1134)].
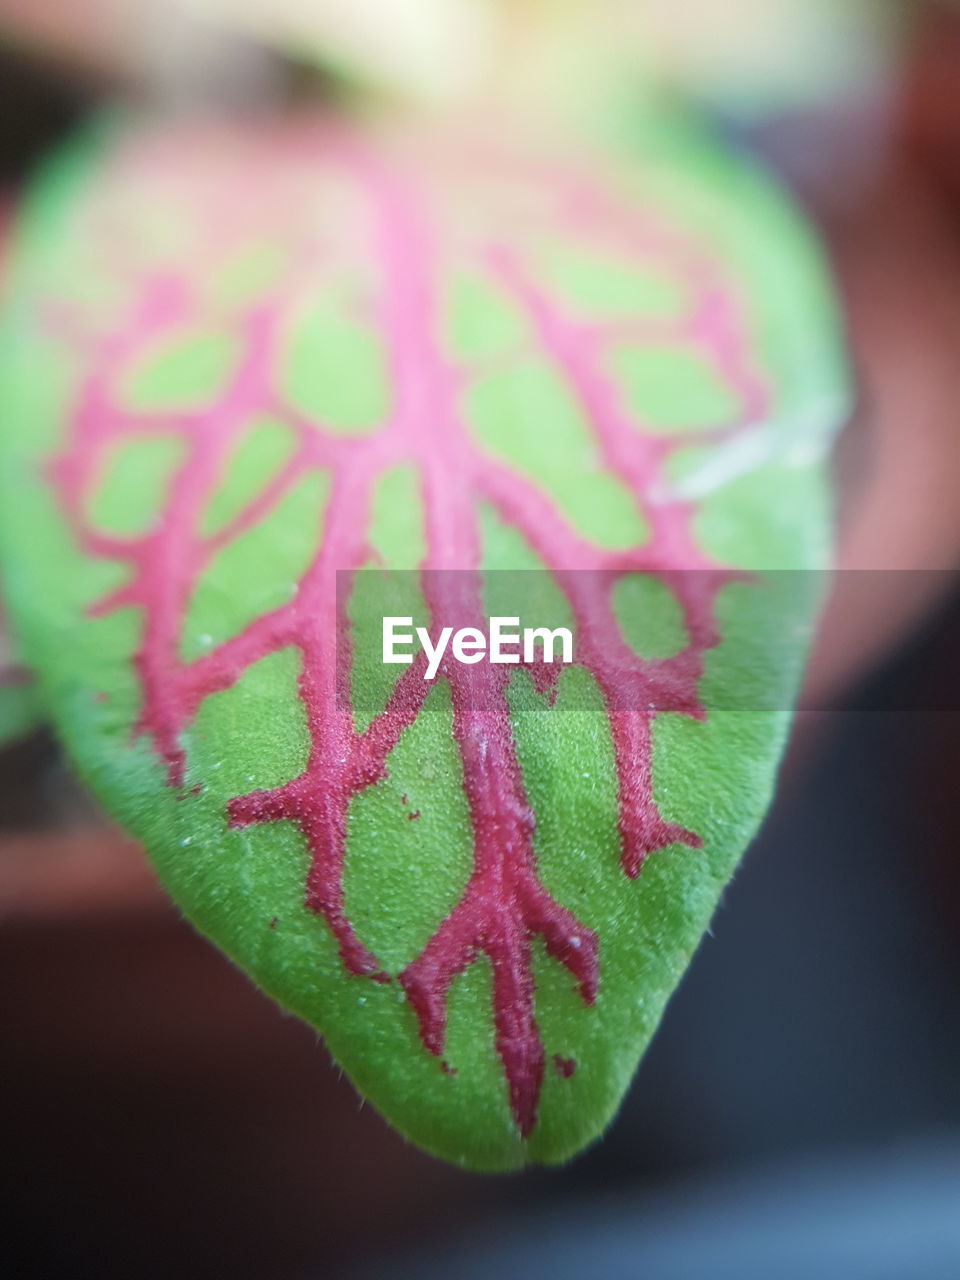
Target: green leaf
[(481, 889), (19, 705)]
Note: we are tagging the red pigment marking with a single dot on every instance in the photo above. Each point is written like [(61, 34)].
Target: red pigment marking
[(414, 814), (564, 1067), (14, 676), (504, 905)]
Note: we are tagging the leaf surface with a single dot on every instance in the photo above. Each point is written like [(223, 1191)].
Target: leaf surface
[(19, 704), (247, 372)]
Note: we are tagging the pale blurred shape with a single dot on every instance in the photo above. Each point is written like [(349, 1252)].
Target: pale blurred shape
[(752, 56), (427, 48), (760, 55)]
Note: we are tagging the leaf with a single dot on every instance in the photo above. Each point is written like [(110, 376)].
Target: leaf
[(19, 705), (481, 889)]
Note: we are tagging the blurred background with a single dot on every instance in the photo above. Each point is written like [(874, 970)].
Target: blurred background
[(799, 1111)]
